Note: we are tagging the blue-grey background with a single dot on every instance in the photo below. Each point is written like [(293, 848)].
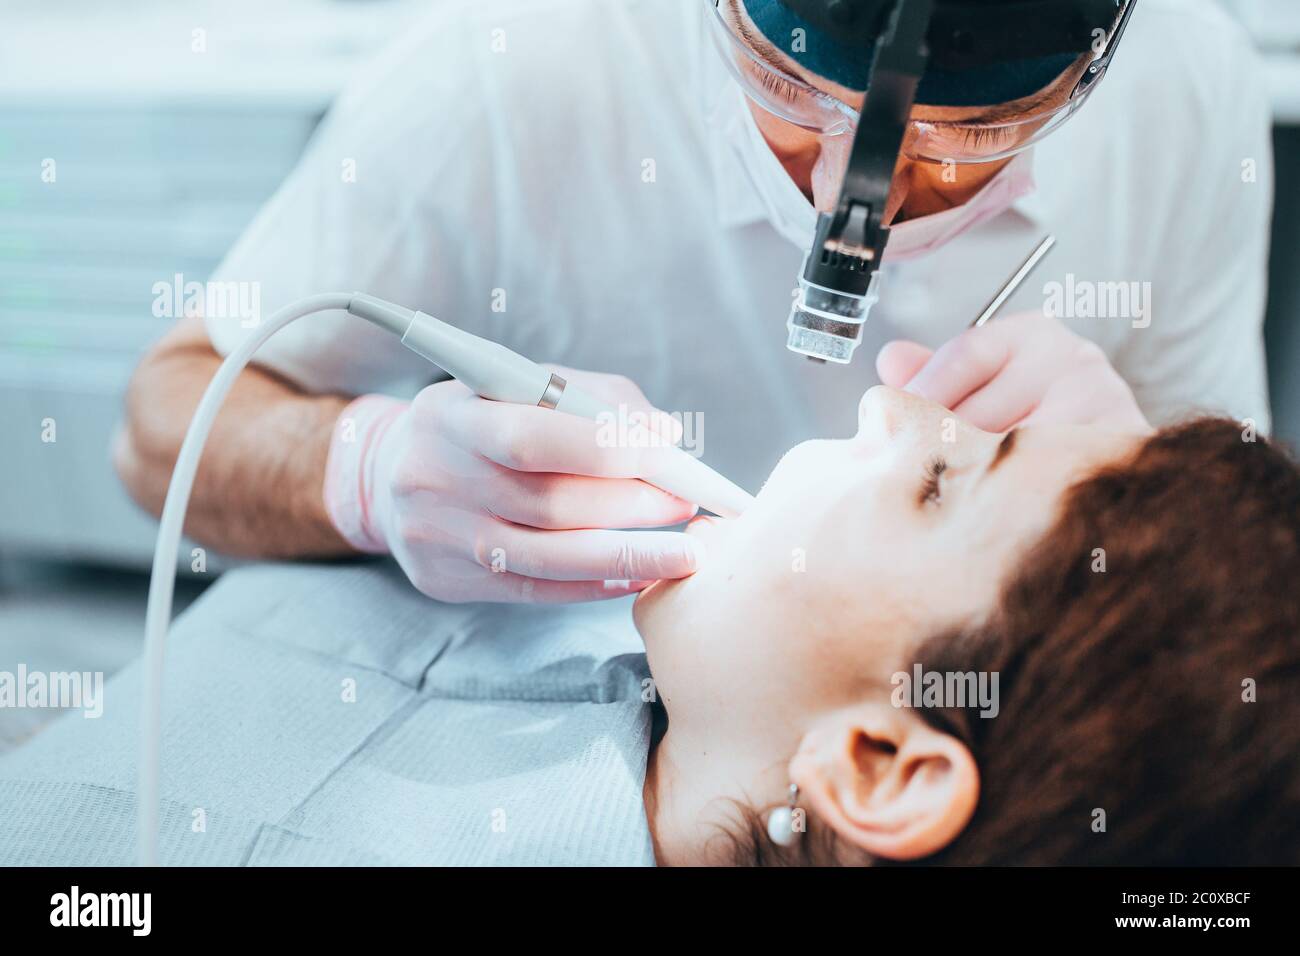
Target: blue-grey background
[(163, 155)]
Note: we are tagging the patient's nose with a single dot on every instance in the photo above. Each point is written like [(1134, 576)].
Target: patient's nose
[(885, 415), (878, 414)]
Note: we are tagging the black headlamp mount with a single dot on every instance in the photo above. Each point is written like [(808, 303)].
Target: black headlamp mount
[(838, 286)]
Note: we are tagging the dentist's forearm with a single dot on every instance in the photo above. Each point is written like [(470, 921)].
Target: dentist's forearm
[(258, 488)]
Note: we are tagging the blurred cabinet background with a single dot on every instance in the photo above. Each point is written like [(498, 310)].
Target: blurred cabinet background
[(163, 152), (165, 125)]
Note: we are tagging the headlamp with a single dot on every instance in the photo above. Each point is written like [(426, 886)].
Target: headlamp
[(904, 53)]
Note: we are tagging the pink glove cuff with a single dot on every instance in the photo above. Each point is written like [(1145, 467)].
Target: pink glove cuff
[(350, 469)]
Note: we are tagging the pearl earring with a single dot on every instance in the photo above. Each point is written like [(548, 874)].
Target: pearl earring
[(780, 822)]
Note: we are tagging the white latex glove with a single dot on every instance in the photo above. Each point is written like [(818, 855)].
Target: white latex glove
[(489, 501), (1020, 370)]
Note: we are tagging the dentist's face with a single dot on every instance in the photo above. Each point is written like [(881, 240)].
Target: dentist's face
[(818, 162), (853, 553)]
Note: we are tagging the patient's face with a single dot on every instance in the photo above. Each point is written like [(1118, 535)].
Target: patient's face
[(853, 552)]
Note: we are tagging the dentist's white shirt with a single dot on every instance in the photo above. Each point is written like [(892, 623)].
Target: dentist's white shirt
[(582, 181)]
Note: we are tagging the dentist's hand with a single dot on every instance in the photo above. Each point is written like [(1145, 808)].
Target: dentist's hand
[(1022, 369), (488, 501)]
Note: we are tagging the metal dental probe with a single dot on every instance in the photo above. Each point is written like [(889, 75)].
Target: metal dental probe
[(1014, 283)]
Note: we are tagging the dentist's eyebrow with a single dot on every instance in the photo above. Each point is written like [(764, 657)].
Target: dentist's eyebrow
[(766, 50)]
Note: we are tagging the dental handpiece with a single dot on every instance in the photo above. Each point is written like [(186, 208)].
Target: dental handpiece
[(495, 372)]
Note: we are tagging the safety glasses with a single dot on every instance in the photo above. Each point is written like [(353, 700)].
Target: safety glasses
[(966, 142), (781, 94)]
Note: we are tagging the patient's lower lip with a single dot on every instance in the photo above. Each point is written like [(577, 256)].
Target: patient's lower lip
[(701, 524)]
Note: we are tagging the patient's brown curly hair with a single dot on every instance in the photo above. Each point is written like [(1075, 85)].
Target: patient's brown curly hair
[(1130, 690)]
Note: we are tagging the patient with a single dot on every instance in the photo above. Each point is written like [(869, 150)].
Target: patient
[(1133, 593), (1127, 600)]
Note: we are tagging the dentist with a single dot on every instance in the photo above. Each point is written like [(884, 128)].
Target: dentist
[(632, 187)]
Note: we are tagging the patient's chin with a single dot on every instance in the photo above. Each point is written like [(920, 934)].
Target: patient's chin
[(652, 611), (646, 594), (646, 598), (664, 606)]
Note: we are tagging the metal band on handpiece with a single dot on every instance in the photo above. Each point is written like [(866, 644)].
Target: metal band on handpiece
[(554, 392)]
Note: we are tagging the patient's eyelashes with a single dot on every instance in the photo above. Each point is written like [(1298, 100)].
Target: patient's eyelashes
[(930, 488)]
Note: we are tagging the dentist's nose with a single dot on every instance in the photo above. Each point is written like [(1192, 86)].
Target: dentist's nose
[(828, 172), (832, 165)]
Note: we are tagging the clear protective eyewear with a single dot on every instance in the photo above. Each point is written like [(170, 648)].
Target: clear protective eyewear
[(791, 99)]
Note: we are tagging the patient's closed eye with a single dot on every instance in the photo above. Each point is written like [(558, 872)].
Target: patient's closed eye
[(930, 488)]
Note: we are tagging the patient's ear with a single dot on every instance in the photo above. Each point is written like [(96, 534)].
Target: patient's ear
[(886, 781)]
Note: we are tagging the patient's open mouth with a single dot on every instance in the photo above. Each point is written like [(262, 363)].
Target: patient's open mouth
[(709, 530), (704, 525)]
